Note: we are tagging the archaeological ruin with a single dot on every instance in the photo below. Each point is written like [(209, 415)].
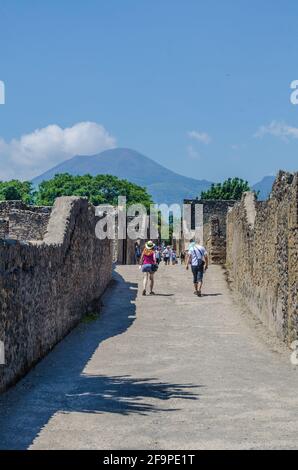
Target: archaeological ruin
[(53, 268), (257, 242), (262, 255)]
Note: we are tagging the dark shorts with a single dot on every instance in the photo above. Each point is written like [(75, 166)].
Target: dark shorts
[(198, 274), (147, 268)]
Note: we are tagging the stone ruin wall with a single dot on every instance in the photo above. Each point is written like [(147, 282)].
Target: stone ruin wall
[(48, 284), (21, 222), (214, 219), (262, 255), (214, 226)]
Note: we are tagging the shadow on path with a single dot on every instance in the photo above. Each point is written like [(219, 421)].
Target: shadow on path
[(211, 295), (162, 295), (122, 394), (58, 384)]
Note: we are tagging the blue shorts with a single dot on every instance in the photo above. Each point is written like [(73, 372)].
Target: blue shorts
[(198, 274), (147, 268)]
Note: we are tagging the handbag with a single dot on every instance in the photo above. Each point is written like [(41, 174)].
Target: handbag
[(200, 261), (154, 267)]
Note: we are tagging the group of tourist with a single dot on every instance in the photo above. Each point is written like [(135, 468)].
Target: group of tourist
[(163, 253), (167, 254), (195, 256)]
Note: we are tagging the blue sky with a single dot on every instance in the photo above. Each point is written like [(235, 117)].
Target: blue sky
[(201, 87)]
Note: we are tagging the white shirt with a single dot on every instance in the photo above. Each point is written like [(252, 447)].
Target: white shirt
[(196, 253)]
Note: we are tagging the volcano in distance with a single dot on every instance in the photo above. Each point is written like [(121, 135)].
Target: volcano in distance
[(165, 186)]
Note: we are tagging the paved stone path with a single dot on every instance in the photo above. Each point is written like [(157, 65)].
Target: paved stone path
[(170, 371)]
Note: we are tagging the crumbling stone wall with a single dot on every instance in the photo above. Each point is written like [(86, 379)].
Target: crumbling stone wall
[(4, 228), (214, 226), (27, 225), (216, 242), (22, 222), (262, 255), (7, 206), (46, 286)]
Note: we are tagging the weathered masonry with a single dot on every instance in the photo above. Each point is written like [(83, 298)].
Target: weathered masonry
[(20, 222), (53, 270), (262, 255), (214, 226), (257, 241)]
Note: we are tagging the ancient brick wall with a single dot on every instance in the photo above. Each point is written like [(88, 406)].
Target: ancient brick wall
[(7, 206), (4, 228), (214, 226), (22, 222), (27, 224), (46, 286), (262, 255), (216, 241)]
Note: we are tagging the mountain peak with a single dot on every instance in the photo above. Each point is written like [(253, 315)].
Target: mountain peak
[(163, 184), (264, 187)]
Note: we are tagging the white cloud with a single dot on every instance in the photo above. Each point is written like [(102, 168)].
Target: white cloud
[(200, 136), (34, 153), (278, 129)]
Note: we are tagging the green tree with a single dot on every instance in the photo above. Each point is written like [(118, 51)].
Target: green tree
[(100, 189), (16, 190), (232, 188)]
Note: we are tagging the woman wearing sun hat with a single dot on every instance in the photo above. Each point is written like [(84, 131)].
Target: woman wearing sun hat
[(148, 264)]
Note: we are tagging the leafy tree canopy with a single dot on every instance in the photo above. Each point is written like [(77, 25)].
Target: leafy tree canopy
[(16, 190), (100, 189), (232, 188)]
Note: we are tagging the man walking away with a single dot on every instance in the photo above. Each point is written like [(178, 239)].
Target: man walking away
[(166, 255), (198, 259)]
